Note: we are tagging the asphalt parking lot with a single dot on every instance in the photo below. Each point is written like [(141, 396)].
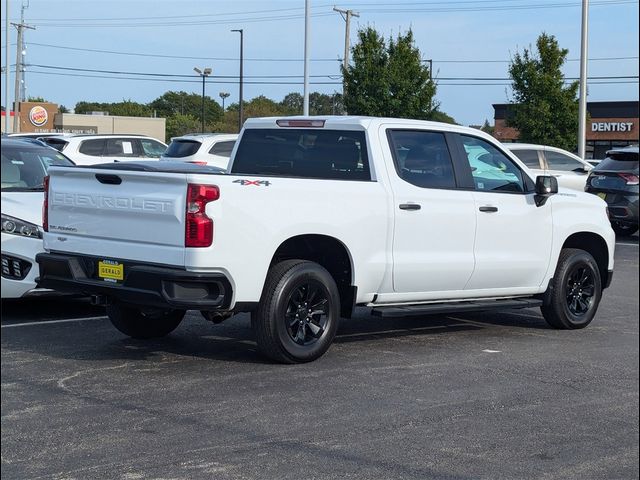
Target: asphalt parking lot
[(493, 395)]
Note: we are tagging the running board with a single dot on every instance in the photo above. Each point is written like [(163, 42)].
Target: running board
[(454, 307)]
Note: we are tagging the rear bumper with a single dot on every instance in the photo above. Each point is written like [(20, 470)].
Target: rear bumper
[(143, 284)]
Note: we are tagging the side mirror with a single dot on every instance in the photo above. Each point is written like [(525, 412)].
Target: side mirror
[(546, 185)]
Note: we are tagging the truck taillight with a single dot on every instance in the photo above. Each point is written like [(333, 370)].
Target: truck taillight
[(630, 178), (199, 227), (45, 204)]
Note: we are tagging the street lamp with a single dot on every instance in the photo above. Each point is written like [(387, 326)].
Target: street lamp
[(204, 73), (241, 32), (223, 95)]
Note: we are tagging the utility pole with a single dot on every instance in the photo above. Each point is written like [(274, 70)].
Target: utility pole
[(346, 15), (7, 104), (305, 96), (241, 112), (582, 108), (19, 67)]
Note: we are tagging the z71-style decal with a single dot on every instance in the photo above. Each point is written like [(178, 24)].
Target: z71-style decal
[(257, 183)]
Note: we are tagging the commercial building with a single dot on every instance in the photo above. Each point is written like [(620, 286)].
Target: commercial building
[(43, 117), (610, 124)]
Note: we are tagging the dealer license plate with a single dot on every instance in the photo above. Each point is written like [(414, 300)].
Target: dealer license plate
[(602, 195), (110, 270)]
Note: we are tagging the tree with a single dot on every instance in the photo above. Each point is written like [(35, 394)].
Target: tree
[(125, 108), (183, 103), (388, 80), (545, 111), (179, 124), (438, 116), (487, 127), (292, 103)]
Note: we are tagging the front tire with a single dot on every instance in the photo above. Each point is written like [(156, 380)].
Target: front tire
[(297, 317), (576, 290), (144, 324)]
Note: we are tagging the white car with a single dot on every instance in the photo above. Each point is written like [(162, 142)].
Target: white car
[(24, 165), (570, 170), (94, 149), (212, 149)]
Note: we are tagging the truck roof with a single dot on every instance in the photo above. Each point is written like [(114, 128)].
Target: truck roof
[(351, 121)]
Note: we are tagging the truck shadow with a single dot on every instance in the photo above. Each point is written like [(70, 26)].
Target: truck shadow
[(233, 341)]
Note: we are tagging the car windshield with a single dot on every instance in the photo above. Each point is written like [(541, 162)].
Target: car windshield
[(24, 167)]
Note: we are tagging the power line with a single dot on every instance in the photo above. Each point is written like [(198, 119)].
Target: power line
[(172, 75), (235, 59)]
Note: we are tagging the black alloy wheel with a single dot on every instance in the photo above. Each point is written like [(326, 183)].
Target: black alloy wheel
[(580, 289), (307, 315)]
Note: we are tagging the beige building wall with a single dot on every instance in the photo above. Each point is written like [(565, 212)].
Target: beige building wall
[(105, 124)]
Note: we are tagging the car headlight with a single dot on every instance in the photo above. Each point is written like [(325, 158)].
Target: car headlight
[(15, 226)]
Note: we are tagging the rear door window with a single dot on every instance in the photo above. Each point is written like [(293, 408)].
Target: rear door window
[(223, 149), (422, 158), (563, 163), (529, 157), (305, 153), (182, 148), (94, 147), (121, 147)]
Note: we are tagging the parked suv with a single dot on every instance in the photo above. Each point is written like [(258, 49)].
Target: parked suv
[(212, 149), (615, 180), (570, 170), (93, 149)]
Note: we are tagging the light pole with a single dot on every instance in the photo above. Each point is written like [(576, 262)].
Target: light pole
[(223, 95), (204, 73), (241, 113)]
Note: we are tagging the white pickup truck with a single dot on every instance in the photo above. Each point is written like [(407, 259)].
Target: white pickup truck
[(317, 215)]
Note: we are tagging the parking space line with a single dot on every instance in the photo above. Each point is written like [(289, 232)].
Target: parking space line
[(627, 244), (51, 322)]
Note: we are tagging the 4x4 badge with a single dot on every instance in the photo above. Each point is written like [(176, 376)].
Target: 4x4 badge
[(257, 183)]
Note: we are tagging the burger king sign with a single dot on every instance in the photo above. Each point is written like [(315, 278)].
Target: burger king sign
[(38, 116)]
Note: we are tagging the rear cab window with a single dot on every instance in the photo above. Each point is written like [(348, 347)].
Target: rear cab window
[(182, 148), (304, 153)]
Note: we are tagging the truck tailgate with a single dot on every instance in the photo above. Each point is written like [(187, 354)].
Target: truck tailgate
[(118, 214)]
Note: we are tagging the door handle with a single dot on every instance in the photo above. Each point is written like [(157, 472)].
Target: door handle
[(488, 209), (409, 206)]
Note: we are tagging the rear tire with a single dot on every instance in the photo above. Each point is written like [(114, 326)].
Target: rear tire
[(624, 230), (297, 317), (144, 324), (576, 290)]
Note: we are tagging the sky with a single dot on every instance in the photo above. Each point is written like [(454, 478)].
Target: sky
[(77, 44)]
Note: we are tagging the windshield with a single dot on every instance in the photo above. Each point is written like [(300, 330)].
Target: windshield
[(24, 167)]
